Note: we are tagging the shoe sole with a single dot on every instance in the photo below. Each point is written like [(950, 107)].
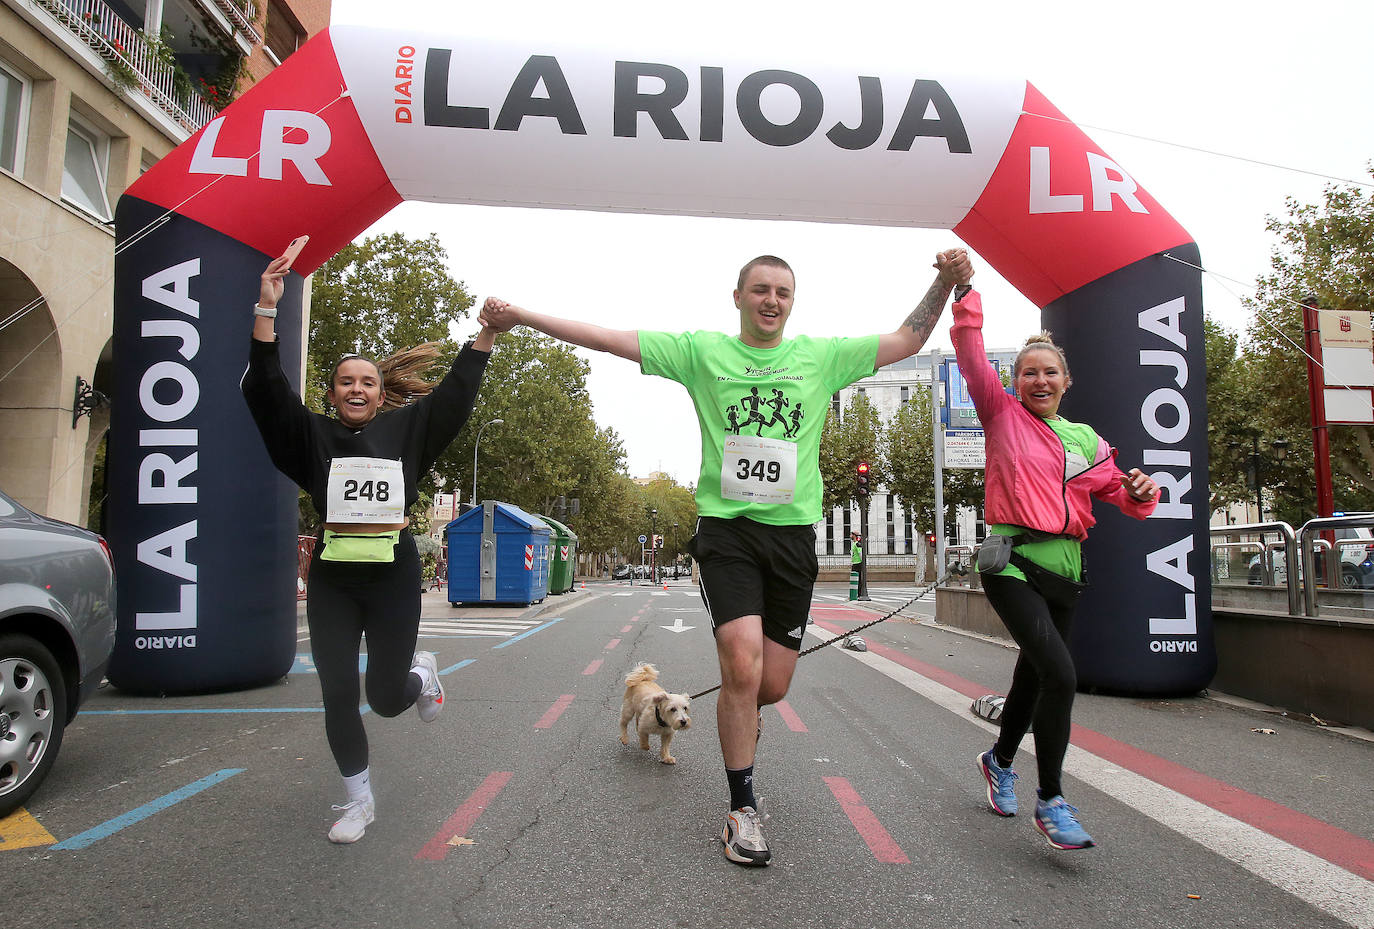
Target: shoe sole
[(1060, 845), (987, 776), (745, 860)]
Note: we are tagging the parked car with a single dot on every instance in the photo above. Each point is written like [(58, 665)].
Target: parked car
[(57, 630), (1356, 546), (622, 572)]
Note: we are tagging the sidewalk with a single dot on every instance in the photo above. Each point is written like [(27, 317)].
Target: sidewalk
[(434, 605)]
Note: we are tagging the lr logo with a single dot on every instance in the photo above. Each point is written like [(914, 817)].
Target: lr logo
[(274, 149)]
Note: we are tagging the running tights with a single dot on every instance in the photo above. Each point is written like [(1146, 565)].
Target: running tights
[(344, 602), (1043, 684)]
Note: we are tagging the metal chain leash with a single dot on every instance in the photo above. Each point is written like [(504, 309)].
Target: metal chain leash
[(839, 638)]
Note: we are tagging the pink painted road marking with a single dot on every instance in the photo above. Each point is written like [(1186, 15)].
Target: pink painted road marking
[(551, 716), (591, 668), (462, 820), (1330, 843), (790, 717), (612, 644), (879, 842), (626, 628)]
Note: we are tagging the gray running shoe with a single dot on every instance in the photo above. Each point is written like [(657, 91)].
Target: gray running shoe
[(431, 699), (743, 838)]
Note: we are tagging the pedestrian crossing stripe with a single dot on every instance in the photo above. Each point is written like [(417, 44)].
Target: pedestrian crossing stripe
[(476, 628)]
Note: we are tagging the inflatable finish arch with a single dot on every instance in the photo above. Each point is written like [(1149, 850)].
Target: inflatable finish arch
[(204, 528)]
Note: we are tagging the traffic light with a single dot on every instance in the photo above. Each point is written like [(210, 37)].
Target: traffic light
[(930, 539), (861, 473)]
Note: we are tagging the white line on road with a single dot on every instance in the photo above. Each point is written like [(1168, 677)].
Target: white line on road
[(1314, 880)]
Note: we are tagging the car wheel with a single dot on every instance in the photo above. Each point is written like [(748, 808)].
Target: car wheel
[(33, 713)]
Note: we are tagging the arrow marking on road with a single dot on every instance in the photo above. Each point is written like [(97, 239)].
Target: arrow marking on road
[(677, 625)]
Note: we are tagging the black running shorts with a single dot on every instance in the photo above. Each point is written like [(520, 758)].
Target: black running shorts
[(754, 569)]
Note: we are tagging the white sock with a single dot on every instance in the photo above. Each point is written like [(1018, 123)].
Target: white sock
[(359, 786), (422, 673)]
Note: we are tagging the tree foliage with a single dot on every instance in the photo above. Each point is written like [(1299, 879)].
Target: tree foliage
[(846, 440), (1325, 251)]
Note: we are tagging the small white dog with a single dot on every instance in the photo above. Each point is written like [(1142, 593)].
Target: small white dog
[(654, 710)]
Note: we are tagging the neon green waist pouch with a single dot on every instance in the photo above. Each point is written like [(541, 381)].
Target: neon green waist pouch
[(373, 547)]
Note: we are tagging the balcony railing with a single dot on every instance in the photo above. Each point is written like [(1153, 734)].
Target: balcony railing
[(124, 47), (243, 14)]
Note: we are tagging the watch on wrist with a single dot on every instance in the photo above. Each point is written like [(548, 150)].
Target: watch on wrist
[(961, 291), (269, 311)]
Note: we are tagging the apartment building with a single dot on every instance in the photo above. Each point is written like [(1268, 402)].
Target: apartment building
[(92, 93)]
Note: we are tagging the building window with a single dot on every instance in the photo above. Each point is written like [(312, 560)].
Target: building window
[(906, 529), (830, 533), (84, 169), (14, 91), (284, 33), (906, 395), (891, 526), (835, 405)]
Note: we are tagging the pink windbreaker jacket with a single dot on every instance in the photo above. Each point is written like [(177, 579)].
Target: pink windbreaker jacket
[(1024, 477)]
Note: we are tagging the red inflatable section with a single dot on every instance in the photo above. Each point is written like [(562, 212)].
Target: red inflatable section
[(289, 157), (1058, 213)]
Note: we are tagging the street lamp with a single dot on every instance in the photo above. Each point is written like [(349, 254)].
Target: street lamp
[(490, 422), (653, 545), (1254, 475)]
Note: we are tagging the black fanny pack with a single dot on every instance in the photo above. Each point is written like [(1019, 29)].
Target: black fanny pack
[(997, 551)]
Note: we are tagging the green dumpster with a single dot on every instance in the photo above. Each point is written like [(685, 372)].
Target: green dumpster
[(563, 560)]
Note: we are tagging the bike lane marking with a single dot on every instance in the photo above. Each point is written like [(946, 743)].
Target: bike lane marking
[(437, 848), (878, 839), (790, 717), (525, 635), (1314, 861), (110, 827), (552, 713)]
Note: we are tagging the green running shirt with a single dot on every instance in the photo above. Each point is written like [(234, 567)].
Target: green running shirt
[(761, 412)]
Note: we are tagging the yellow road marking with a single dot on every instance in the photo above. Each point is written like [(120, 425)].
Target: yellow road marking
[(20, 830)]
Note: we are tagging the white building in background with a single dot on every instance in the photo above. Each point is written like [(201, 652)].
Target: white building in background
[(890, 529)]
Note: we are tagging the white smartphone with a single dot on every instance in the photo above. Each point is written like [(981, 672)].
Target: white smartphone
[(294, 249)]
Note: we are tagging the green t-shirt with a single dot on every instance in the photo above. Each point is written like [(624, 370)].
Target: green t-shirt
[(1062, 556), (761, 412)]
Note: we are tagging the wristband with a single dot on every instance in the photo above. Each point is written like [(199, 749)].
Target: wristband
[(961, 291), (269, 311)]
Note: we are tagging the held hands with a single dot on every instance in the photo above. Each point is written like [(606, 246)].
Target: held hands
[(272, 286), (1139, 485), (499, 315), (954, 267)]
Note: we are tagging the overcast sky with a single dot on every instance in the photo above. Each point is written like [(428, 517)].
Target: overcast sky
[(1151, 84)]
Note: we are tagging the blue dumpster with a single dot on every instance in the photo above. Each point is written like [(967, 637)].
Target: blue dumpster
[(497, 553)]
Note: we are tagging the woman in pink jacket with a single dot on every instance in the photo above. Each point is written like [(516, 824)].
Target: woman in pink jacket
[(1041, 475)]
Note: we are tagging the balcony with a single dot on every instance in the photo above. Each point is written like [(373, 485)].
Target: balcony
[(131, 60)]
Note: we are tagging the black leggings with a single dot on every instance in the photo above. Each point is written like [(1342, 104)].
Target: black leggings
[(345, 601), (1043, 684)]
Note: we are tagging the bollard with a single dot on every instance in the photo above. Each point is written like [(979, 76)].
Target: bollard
[(853, 585)]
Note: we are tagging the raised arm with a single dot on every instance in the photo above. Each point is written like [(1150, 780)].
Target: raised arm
[(269, 292), (953, 268), (501, 316)]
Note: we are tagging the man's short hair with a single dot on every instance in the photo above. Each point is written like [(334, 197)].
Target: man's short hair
[(770, 261)]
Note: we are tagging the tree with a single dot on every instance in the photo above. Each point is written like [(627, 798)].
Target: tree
[(845, 441), (376, 297), (1325, 251)]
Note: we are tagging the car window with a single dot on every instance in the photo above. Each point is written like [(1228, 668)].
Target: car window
[(6, 507)]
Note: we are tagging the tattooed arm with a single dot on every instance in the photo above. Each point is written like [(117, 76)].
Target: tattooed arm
[(954, 268)]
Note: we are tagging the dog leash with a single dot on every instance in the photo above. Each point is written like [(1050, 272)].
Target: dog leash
[(839, 638)]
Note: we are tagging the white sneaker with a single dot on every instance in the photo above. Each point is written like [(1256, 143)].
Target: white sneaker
[(431, 699), (743, 838), (357, 815)]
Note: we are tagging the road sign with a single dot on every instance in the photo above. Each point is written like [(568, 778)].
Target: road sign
[(964, 448), (643, 539)]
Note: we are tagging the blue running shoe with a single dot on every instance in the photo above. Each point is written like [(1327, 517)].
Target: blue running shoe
[(1059, 823), (1001, 786)]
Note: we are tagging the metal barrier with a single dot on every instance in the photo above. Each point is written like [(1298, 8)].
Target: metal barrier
[(958, 566), (1297, 573)]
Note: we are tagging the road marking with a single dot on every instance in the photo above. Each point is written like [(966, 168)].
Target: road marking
[(878, 840), (210, 711), (592, 668), (437, 848), (470, 628), (21, 830), (454, 667), (612, 644), (107, 829), (523, 635), (551, 715), (625, 628), (1331, 870), (623, 593), (790, 716)]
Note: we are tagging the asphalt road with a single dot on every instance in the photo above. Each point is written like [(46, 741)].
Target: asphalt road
[(519, 807)]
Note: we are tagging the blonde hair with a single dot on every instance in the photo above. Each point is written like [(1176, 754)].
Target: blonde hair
[(402, 373), (1042, 341)]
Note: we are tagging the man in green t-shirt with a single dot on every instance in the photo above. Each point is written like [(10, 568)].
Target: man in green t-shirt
[(760, 401)]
